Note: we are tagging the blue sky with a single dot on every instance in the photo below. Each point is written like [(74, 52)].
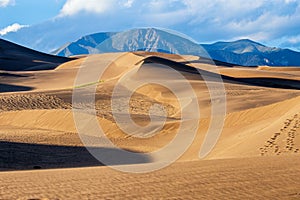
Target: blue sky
[(48, 24), (28, 12)]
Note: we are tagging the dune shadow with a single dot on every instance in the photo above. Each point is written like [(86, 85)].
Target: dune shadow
[(269, 82), (257, 81), (213, 62), (22, 156), (14, 57), (13, 88), (6, 74)]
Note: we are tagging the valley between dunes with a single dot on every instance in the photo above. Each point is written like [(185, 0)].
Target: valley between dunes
[(256, 156)]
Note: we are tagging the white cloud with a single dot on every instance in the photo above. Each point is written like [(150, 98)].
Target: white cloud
[(294, 39), (72, 7), (128, 3), (12, 28), (290, 1), (4, 3)]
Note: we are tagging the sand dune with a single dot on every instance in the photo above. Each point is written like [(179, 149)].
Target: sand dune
[(255, 178), (260, 138), (17, 58), (267, 68)]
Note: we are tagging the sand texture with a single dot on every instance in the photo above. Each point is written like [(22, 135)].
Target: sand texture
[(256, 156)]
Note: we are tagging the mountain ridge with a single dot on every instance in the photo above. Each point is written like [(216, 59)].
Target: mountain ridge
[(243, 52), (134, 40)]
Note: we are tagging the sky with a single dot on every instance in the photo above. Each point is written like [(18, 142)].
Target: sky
[(48, 24)]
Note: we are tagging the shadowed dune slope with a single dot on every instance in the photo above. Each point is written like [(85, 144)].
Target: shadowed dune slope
[(14, 57)]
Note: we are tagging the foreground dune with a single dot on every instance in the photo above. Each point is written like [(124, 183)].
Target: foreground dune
[(267, 130), (260, 139), (254, 178)]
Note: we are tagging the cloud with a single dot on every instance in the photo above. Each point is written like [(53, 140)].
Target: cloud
[(228, 19), (73, 7), (12, 28), (4, 3), (206, 20), (128, 3), (291, 42), (294, 39), (290, 1)]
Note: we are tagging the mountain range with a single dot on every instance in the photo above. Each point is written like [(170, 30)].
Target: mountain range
[(242, 52)]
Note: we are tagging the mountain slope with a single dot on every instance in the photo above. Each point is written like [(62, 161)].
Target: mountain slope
[(240, 47), (14, 57), (241, 52), (148, 39), (85, 45), (250, 53)]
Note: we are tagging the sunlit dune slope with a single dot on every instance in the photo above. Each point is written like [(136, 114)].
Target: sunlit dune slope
[(255, 124)]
